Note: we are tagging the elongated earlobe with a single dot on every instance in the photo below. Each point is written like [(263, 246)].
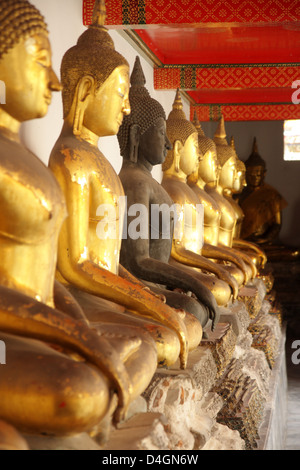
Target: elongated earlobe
[(78, 118), (84, 89), (177, 150)]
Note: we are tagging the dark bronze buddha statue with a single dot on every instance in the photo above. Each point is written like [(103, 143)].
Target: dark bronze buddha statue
[(144, 144)]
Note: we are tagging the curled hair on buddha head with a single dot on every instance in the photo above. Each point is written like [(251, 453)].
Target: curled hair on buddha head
[(255, 159), (144, 110), (224, 151), (178, 128), (205, 143), (19, 20), (94, 55)]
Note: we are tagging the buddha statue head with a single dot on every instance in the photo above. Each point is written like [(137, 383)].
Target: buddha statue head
[(208, 169), (25, 63), (142, 136), (95, 80), (184, 155), (226, 157), (255, 168)]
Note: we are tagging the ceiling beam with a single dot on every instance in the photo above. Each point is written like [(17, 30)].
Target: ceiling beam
[(246, 112), (164, 12), (241, 76)]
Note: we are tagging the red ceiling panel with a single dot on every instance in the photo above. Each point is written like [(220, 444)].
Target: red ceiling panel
[(226, 52)]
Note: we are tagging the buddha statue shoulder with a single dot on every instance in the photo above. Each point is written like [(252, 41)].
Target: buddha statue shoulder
[(95, 100), (48, 339), (144, 144)]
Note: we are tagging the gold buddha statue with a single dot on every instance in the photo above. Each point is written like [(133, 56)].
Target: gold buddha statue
[(95, 79), (227, 162), (262, 206), (144, 144), (61, 376), (181, 161), (257, 255), (207, 174)]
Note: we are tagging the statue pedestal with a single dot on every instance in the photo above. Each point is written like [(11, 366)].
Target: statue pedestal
[(231, 396), (273, 427)]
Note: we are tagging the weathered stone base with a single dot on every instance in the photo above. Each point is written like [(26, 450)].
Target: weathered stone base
[(218, 402)]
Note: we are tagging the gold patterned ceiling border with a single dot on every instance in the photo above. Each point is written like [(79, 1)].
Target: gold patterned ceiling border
[(223, 76), (245, 112), (135, 12)]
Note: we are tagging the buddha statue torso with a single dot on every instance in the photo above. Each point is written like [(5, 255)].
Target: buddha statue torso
[(160, 246), (32, 211), (212, 215), (89, 170)]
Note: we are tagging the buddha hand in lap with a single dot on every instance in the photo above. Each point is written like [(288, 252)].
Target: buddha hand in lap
[(43, 390), (95, 100)]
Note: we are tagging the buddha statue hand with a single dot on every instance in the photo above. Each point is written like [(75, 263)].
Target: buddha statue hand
[(229, 279), (36, 320), (209, 302)]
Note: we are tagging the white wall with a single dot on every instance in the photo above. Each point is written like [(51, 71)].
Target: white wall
[(64, 19)]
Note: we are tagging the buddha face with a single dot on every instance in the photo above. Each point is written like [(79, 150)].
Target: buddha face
[(29, 78), (208, 167), (154, 143), (107, 106), (255, 175), (228, 173), (189, 155)]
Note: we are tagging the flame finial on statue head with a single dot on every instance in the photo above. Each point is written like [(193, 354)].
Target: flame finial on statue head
[(232, 143), (224, 151), (177, 102), (255, 159), (220, 131), (197, 124), (145, 111), (99, 13), (137, 77)]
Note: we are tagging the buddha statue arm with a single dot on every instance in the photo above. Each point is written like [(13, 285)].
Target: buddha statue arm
[(247, 260), (224, 253), (129, 277), (78, 269), (65, 302), (189, 258), (24, 316), (240, 244), (160, 272)]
